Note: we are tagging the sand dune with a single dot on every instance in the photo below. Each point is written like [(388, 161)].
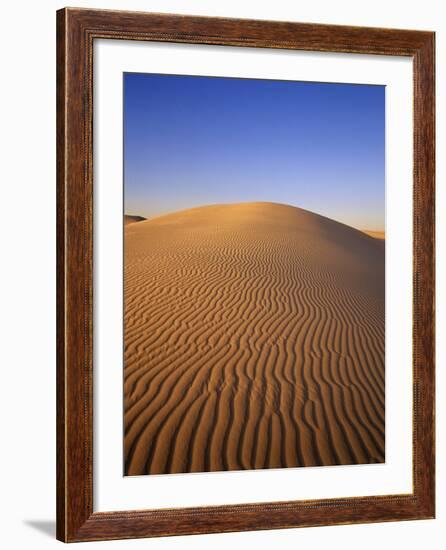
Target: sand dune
[(254, 338), (128, 218), (375, 234)]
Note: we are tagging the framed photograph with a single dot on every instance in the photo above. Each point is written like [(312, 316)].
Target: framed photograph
[(245, 275)]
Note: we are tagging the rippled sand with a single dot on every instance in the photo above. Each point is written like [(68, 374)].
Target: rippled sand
[(254, 338)]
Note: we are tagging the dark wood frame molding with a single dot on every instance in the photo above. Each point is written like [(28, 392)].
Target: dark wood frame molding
[(76, 31)]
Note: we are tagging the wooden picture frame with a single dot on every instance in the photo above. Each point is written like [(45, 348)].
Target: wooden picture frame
[(76, 31)]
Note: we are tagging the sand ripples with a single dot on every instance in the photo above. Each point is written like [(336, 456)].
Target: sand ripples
[(254, 338)]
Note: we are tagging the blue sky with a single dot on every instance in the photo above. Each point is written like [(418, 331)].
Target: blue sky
[(191, 141)]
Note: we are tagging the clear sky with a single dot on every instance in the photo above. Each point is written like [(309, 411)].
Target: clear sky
[(191, 141)]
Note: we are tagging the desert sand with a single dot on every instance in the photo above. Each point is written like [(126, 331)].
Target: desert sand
[(376, 234), (254, 338)]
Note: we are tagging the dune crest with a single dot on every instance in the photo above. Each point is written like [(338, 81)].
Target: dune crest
[(254, 338)]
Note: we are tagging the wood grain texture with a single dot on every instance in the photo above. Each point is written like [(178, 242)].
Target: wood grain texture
[(76, 31)]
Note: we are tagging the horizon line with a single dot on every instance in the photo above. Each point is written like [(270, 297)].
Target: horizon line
[(167, 213)]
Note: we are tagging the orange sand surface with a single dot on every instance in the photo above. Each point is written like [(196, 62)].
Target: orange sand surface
[(254, 338)]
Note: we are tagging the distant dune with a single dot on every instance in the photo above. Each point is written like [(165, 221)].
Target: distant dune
[(132, 219), (254, 338), (375, 234)]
